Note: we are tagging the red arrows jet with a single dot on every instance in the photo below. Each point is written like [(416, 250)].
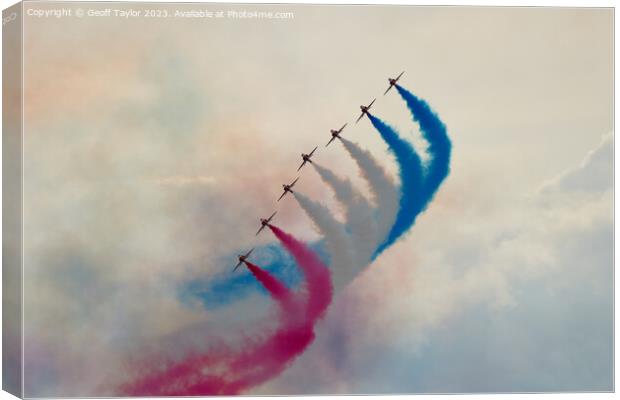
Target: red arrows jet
[(365, 110), (264, 222), (335, 134), (242, 259), (306, 158), (287, 189), (393, 82)]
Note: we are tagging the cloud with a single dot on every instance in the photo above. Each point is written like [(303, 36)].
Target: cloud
[(180, 180), (519, 300), (594, 174)]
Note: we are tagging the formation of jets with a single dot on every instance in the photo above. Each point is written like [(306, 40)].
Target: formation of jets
[(307, 158)]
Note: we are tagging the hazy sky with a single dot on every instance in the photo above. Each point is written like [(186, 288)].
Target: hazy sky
[(152, 146)]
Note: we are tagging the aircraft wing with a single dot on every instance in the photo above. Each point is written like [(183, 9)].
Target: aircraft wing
[(249, 252), (388, 89), (260, 229), (360, 117), (302, 164), (312, 152), (330, 140), (342, 127), (272, 215), (283, 194), (237, 266), (401, 74), (371, 103), (293, 184)]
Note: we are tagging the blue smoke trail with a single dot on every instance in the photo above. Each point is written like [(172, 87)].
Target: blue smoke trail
[(435, 133), (411, 175), (226, 288)]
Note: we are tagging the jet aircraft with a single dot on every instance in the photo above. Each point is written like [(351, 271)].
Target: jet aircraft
[(242, 259), (287, 188), (306, 158), (335, 134), (264, 222), (365, 110), (393, 82)]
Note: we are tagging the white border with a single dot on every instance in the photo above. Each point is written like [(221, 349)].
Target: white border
[(539, 3)]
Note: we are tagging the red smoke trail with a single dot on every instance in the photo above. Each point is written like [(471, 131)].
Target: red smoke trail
[(163, 383), (286, 344), (318, 278), (179, 375), (277, 353), (258, 362), (277, 289)]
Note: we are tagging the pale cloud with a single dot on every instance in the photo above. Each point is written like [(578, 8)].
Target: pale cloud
[(592, 175), (151, 152), (180, 180), (523, 304)]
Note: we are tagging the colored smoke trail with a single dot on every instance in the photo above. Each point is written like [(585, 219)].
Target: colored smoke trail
[(272, 358), (224, 288), (359, 212), (172, 379), (222, 370), (338, 242), (410, 171), (287, 344), (436, 134), (382, 187), (276, 288), (318, 280)]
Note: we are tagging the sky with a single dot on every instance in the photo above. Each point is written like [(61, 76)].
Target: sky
[(152, 147)]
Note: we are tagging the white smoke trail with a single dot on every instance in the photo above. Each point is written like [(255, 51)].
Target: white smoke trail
[(352, 246), (360, 215), (384, 190), (338, 242)]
